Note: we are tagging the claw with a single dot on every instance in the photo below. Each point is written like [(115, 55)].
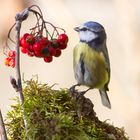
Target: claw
[(72, 89), (83, 92)]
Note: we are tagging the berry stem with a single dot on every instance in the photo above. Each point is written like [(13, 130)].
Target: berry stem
[(37, 8), (3, 134)]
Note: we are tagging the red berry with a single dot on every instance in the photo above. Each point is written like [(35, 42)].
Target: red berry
[(23, 50), (52, 51), (12, 63), (63, 46), (11, 53), (25, 35), (45, 52), (38, 54), (54, 43), (30, 48), (57, 52), (23, 42), (62, 39), (37, 47), (30, 39), (48, 59), (44, 41)]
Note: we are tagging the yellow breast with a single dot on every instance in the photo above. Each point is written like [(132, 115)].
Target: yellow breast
[(95, 63)]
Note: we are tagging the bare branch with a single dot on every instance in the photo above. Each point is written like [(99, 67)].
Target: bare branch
[(2, 126)]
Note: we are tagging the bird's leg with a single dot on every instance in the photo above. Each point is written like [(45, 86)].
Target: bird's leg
[(83, 92), (72, 89)]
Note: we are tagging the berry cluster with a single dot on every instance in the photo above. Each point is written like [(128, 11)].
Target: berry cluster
[(44, 40), (43, 47), (10, 59)]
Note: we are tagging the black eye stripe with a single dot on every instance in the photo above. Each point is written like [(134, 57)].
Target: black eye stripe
[(85, 29)]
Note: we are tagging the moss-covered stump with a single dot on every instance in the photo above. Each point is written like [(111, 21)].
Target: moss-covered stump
[(57, 115)]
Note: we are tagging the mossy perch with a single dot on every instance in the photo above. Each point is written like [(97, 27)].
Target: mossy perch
[(57, 115)]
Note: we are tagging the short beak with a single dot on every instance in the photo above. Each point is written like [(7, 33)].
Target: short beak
[(77, 29)]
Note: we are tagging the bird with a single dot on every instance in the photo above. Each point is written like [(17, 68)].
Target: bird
[(91, 62)]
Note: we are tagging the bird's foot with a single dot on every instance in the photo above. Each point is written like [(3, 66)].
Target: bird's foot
[(82, 93), (72, 89)]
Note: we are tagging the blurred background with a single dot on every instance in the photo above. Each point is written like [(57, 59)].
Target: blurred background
[(121, 20)]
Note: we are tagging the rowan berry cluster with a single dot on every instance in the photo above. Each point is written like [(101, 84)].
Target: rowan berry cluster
[(43, 47), (43, 41)]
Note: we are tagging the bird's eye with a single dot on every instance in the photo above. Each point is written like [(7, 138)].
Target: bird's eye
[(84, 29)]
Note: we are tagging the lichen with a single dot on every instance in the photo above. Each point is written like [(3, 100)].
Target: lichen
[(57, 115)]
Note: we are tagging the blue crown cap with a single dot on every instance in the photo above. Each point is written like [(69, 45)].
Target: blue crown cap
[(95, 26)]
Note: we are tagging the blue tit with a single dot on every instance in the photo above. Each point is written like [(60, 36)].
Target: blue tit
[(91, 61)]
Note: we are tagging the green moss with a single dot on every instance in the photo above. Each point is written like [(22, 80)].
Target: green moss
[(57, 115)]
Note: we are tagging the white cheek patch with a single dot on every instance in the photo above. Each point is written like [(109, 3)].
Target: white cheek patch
[(87, 35)]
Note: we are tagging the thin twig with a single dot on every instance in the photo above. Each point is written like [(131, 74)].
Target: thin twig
[(19, 18), (4, 134), (37, 8), (17, 66), (10, 33)]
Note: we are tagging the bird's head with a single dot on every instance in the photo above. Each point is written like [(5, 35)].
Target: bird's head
[(91, 31)]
